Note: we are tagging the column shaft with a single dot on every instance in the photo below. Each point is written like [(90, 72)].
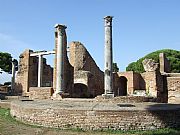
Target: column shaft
[(60, 59), (13, 76), (40, 70), (108, 56)]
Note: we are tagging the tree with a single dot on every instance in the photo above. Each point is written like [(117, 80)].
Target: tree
[(6, 62), (115, 67), (172, 55)]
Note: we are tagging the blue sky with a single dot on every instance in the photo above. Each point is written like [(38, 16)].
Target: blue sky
[(139, 26)]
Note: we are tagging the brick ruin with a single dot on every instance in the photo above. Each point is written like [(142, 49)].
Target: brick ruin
[(116, 97), (85, 79), (82, 78)]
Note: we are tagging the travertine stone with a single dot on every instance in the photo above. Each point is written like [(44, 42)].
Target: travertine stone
[(149, 65)]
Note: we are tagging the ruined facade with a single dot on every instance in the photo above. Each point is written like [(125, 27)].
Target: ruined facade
[(84, 78), (27, 75), (77, 74), (88, 78)]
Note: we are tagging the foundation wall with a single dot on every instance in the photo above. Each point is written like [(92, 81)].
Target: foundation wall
[(40, 92), (98, 119)]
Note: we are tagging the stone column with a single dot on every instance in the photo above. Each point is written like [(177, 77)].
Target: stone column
[(13, 76), (60, 59), (40, 70), (108, 56)]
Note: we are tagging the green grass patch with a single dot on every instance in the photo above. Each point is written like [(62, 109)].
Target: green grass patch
[(5, 114)]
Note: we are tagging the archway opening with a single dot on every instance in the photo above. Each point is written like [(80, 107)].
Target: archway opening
[(123, 86), (80, 90)]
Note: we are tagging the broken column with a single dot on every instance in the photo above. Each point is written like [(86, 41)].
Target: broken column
[(60, 29), (108, 78)]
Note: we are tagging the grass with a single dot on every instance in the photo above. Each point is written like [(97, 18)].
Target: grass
[(10, 126)]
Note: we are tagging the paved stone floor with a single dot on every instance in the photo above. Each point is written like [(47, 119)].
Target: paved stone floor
[(92, 104)]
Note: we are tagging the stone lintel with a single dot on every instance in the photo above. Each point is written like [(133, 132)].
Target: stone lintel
[(42, 53)]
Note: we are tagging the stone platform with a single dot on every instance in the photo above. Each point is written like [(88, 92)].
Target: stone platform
[(92, 114)]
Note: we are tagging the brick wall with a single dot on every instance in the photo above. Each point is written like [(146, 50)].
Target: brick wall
[(40, 92), (27, 75), (81, 60), (151, 83), (173, 86), (22, 77), (98, 119)]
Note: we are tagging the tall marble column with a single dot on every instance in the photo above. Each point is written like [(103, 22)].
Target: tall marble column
[(60, 58), (108, 56)]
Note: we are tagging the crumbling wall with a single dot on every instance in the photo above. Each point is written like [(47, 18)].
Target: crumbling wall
[(164, 63), (81, 60), (47, 79), (22, 77), (151, 84), (27, 75), (173, 86), (82, 84), (155, 85)]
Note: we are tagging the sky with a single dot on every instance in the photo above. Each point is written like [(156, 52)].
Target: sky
[(139, 26)]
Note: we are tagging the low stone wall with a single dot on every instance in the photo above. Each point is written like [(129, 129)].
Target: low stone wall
[(40, 92), (93, 118), (127, 99)]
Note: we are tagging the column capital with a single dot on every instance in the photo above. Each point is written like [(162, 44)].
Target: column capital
[(108, 20), (60, 26)]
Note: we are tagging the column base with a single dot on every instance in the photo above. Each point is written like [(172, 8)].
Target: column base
[(108, 95), (57, 96)]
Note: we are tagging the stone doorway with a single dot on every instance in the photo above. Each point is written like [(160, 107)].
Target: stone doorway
[(123, 86), (80, 90)]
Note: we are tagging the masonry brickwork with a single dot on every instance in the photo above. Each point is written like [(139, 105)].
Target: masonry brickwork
[(89, 118), (86, 70), (27, 74), (173, 85), (83, 78), (40, 93)]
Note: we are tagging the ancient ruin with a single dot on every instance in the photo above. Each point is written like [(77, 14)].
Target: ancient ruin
[(77, 83)]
